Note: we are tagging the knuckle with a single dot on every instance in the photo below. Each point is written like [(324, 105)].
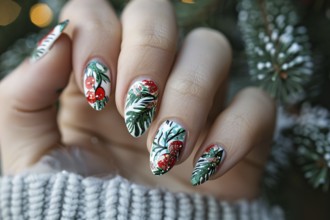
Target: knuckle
[(192, 86), (93, 25), (156, 37), (239, 123)]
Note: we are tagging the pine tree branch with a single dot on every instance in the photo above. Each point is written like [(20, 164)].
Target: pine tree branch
[(277, 48)]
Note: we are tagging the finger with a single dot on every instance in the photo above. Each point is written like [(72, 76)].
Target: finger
[(148, 49), (201, 67), (28, 126), (248, 122), (96, 36)]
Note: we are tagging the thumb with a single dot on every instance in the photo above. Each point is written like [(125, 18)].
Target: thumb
[(28, 124)]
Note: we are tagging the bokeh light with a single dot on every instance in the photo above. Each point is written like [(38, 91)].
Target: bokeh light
[(9, 11), (41, 15), (188, 1)]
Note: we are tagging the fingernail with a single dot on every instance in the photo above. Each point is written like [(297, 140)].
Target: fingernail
[(48, 41), (207, 164), (166, 147), (140, 107), (97, 84)]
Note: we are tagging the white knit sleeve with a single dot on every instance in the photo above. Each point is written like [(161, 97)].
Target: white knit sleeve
[(66, 195)]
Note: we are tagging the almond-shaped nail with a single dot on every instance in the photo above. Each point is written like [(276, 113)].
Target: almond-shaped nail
[(97, 84), (166, 147), (48, 41), (207, 164), (140, 107)]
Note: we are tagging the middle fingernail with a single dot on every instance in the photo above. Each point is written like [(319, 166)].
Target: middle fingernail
[(140, 107), (166, 147), (97, 84)]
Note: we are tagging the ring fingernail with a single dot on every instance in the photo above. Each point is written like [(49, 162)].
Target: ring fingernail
[(140, 107), (97, 84), (166, 147), (207, 164), (48, 41)]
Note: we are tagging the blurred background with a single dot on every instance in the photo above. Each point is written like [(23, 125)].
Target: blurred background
[(23, 22), (19, 18)]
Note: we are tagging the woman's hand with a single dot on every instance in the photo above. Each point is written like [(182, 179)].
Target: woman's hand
[(144, 84)]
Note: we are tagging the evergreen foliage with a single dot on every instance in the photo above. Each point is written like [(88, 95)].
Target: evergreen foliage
[(277, 47), (311, 137), (279, 57)]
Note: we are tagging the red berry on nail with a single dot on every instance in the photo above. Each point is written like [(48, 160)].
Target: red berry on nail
[(209, 148), (166, 162), (99, 93), (152, 86), (90, 95), (175, 147), (90, 82)]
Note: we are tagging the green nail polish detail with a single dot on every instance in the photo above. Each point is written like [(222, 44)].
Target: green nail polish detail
[(48, 41), (166, 147), (140, 107), (207, 164), (97, 84)]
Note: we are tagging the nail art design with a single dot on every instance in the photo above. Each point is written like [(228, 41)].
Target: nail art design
[(48, 41), (207, 164), (166, 147), (140, 107), (97, 84)]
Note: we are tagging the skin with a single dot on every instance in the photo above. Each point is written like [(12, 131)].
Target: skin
[(192, 89)]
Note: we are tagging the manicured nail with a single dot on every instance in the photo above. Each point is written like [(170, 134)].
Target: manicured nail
[(207, 164), (48, 41), (166, 147), (140, 107), (97, 84)]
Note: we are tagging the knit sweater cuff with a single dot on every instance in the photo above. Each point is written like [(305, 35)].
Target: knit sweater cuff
[(70, 196)]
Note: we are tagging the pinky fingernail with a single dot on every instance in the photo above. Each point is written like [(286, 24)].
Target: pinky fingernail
[(48, 41), (207, 164)]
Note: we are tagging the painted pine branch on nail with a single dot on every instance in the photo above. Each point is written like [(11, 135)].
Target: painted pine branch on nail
[(140, 108), (277, 48), (166, 147), (139, 116), (207, 164)]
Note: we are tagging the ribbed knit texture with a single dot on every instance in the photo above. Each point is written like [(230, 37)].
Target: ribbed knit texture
[(70, 196)]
